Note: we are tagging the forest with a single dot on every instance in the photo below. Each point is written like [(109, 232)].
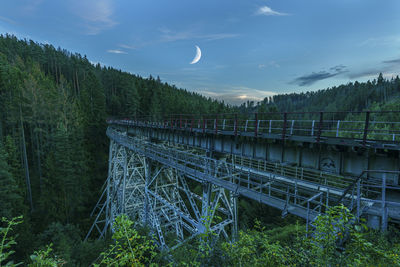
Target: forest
[(54, 154)]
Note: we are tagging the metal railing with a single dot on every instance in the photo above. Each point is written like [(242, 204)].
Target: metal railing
[(363, 126)]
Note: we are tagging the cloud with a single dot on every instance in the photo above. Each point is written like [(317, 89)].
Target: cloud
[(267, 11), (116, 51), (217, 36), (392, 61), (168, 35), (368, 73), (270, 64), (96, 15), (237, 95), (30, 6), (314, 77), (7, 20), (128, 46), (338, 68), (388, 69), (390, 40)]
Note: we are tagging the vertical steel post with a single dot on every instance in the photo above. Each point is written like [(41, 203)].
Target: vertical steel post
[(321, 120), (235, 218), (284, 126), (358, 199), (124, 181), (110, 173), (147, 173), (205, 205), (383, 204), (337, 128), (366, 128), (236, 125), (216, 124), (256, 126)]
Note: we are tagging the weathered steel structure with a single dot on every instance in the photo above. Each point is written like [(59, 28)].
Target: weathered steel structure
[(182, 174)]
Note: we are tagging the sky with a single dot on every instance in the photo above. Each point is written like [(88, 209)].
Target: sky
[(250, 49)]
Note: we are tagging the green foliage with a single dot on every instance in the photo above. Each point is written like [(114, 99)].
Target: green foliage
[(254, 248), (44, 258), (349, 97), (339, 239), (10, 200), (7, 241), (129, 248)]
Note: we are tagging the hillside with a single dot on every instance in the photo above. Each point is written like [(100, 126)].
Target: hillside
[(354, 96)]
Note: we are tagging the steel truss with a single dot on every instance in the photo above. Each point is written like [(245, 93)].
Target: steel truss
[(162, 197)]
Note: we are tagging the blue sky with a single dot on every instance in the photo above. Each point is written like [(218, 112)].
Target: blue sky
[(250, 49)]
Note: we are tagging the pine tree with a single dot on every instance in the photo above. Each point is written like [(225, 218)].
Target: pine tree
[(10, 200)]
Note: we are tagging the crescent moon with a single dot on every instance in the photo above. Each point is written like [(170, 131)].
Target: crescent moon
[(197, 57)]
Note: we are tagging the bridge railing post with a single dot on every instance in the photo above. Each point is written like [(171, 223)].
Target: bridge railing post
[(256, 126), (216, 124), (321, 120), (236, 124), (284, 126), (366, 128)]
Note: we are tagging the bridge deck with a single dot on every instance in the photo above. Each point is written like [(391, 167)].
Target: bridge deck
[(366, 129)]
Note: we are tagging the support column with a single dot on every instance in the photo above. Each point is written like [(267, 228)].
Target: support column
[(383, 205), (234, 199), (110, 173), (205, 205), (300, 156), (147, 173), (124, 180)]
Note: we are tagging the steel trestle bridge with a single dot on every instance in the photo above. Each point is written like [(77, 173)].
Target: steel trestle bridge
[(182, 175)]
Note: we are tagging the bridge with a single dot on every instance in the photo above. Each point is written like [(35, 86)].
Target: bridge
[(182, 174)]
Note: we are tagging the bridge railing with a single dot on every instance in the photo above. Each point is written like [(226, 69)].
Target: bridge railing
[(364, 126)]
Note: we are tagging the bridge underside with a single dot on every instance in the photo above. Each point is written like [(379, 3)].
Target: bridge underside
[(344, 157)]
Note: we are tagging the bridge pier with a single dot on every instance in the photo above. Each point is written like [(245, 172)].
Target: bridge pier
[(163, 197)]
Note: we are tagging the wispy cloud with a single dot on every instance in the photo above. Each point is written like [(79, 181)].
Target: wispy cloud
[(381, 41), (267, 11), (5, 19), (392, 61), (116, 51), (270, 64), (314, 77), (387, 67), (237, 95), (168, 35), (96, 15), (127, 46), (30, 6)]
